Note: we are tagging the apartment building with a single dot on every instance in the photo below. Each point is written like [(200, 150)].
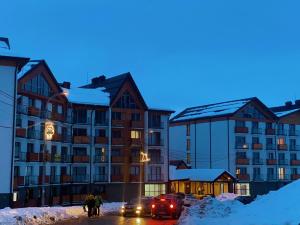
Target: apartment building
[(9, 67), (103, 139), (258, 144)]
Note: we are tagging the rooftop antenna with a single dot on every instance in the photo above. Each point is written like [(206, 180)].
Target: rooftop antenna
[(6, 41)]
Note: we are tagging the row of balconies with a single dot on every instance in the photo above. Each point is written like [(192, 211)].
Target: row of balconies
[(246, 161), (267, 131), (56, 158), (269, 177), (66, 179), (259, 146), (34, 134)]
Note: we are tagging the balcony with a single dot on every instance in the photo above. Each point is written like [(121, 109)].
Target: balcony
[(257, 177), (283, 162), (57, 116), (80, 178), (294, 148), (271, 147), (118, 141), (255, 130), (135, 159), (56, 158), (293, 133), (81, 159), (156, 125), (295, 162), (66, 138), (156, 160), (65, 179), (119, 123), (135, 178), (244, 146), (284, 177), (101, 122), (257, 162), (117, 159), (32, 157), (271, 177), (19, 181), (20, 157), (84, 121), (100, 159), (57, 137), (242, 161), (34, 134), (156, 143), (21, 132), (270, 131), (257, 146), (282, 147), (44, 179), (45, 157), (281, 132), (155, 177), (295, 176), (136, 141), (117, 178), (81, 140), (243, 177), (55, 179), (32, 111), (101, 140), (55, 200), (137, 124), (22, 109), (66, 158), (100, 178), (31, 180), (243, 130), (271, 161)]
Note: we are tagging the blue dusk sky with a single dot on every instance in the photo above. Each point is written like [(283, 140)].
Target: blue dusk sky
[(181, 53)]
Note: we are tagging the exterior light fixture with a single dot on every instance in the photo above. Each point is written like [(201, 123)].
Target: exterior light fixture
[(49, 130), (15, 196)]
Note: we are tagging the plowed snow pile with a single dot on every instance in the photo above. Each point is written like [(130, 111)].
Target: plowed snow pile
[(280, 207)]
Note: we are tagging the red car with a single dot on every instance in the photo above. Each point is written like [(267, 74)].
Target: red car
[(166, 206)]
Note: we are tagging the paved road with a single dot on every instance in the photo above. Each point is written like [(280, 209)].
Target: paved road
[(117, 220)]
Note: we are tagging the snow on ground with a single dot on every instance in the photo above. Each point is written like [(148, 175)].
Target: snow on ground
[(48, 215), (280, 207)]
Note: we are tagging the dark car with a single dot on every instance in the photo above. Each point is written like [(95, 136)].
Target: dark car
[(166, 206), (137, 207)]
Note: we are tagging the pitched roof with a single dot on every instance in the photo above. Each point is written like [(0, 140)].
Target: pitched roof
[(209, 175), (287, 109)]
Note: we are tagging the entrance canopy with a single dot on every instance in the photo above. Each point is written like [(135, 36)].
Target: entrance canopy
[(201, 175)]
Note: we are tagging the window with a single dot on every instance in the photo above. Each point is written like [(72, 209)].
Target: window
[(116, 170), (116, 152), (80, 116), (79, 132), (101, 170), (240, 140), (239, 123), (241, 170), (255, 140), (281, 173), (293, 156), (188, 130), (155, 120), (100, 154), (116, 116), (281, 141), (256, 173), (79, 171), (30, 147), (271, 155), (294, 171), (152, 190), (38, 85), (31, 102), (293, 144), (79, 151), (255, 125), (155, 173), (256, 156), (135, 116), (292, 127), (116, 134), (134, 170), (243, 189), (269, 126), (241, 155), (100, 117), (134, 134), (17, 149), (270, 173), (126, 101), (100, 133), (18, 121)]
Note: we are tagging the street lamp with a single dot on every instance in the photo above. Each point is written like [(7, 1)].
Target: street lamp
[(49, 131)]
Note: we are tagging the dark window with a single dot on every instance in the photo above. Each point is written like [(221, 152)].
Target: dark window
[(116, 116), (269, 126), (38, 85), (239, 123), (116, 170), (116, 152), (30, 147), (100, 133), (79, 132), (80, 116), (79, 151), (255, 140), (126, 101), (155, 120), (116, 134), (136, 116), (100, 117), (134, 170)]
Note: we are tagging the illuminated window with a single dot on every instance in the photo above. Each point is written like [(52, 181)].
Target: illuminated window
[(243, 189), (281, 173), (135, 134), (281, 141), (155, 189), (238, 171)]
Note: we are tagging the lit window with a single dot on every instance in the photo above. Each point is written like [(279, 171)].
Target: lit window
[(135, 134), (155, 189), (281, 173), (238, 171), (281, 141), (243, 189)]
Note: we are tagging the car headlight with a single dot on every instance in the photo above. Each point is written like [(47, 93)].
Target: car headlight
[(123, 207), (139, 208)]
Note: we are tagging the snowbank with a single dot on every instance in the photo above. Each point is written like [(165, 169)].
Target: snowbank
[(280, 207), (48, 215)]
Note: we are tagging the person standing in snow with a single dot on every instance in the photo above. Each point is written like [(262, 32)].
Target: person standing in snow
[(90, 203), (98, 203)]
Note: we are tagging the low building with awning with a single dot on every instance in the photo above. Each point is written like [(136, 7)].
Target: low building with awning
[(201, 182)]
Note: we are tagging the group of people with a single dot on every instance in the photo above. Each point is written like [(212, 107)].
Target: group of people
[(93, 204)]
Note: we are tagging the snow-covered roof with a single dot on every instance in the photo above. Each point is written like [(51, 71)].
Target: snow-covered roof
[(211, 110), (28, 67), (286, 112), (208, 175), (94, 96)]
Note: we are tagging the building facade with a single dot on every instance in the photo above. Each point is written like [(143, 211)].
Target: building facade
[(9, 67), (103, 139), (260, 145)]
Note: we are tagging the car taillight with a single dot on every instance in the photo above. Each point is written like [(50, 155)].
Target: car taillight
[(171, 206), (153, 206), (162, 199)]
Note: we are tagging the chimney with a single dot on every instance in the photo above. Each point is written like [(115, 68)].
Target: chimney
[(66, 85), (288, 103), (97, 81)]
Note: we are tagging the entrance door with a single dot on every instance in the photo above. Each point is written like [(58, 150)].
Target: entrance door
[(187, 187)]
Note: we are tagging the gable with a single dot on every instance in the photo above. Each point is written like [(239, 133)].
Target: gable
[(128, 97)]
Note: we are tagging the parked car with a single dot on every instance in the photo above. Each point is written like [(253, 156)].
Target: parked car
[(169, 205), (188, 199), (137, 207)]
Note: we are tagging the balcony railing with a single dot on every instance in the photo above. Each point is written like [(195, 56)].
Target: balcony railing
[(81, 139), (156, 143), (282, 147), (243, 130), (66, 138), (294, 148), (270, 131), (295, 162), (19, 181), (100, 178), (281, 132), (117, 178), (257, 162), (271, 161), (101, 140), (257, 177), (295, 176), (242, 161), (243, 176), (34, 134), (284, 177), (21, 132), (242, 146), (101, 122), (66, 158), (271, 147), (256, 130), (155, 177), (81, 159), (257, 146), (283, 162), (80, 178), (21, 156), (156, 160), (136, 178), (271, 177), (32, 157), (65, 179), (55, 179), (33, 111), (117, 159), (293, 133), (100, 159)]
